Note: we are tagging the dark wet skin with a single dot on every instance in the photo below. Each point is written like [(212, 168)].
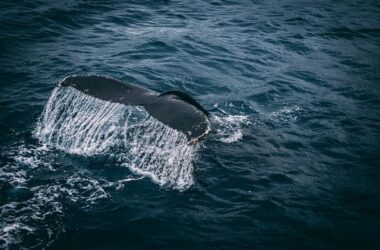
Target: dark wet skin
[(175, 109)]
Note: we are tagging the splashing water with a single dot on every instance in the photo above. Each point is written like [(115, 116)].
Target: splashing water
[(80, 124), (33, 215), (287, 114), (229, 128)]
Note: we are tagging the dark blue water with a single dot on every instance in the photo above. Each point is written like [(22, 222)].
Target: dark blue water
[(293, 89)]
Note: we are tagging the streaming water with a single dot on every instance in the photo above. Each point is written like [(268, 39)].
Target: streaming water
[(80, 124)]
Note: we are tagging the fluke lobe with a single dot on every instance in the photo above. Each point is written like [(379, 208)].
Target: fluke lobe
[(173, 108)]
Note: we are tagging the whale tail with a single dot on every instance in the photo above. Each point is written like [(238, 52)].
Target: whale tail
[(173, 108)]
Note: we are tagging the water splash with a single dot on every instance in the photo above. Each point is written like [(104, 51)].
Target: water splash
[(36, 219), (229, 120), (32, 211), (229, 128), (80, 124), (287, 114), (39, 216)]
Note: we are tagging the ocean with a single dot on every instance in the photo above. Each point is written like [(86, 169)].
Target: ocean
[(293, 159)]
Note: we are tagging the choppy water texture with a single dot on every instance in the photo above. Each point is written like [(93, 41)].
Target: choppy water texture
[(294, 96)]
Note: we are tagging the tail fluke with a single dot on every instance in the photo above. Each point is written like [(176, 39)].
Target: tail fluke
[(173, 108)]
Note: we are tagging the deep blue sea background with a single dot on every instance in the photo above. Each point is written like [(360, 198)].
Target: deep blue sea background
[(294, 165)]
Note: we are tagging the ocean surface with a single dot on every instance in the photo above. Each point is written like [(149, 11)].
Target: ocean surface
[(293, 90)]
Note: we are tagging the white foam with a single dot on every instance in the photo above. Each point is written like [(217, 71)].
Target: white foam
[(8, 232), (18, 217), (80, 124), (85, 190), (286, 114), (13, 175), (44, 209), (229, 128)]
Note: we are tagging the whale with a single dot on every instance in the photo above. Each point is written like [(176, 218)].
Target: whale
[(174, 108)]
